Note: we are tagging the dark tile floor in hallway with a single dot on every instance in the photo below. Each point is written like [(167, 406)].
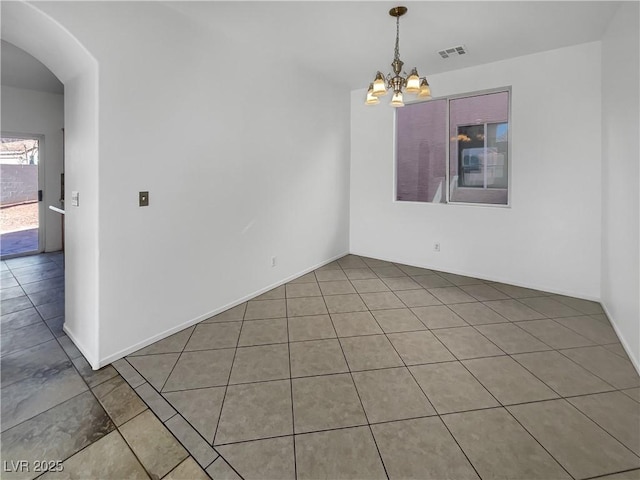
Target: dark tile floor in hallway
[(55, 408), (361, 369), (19, 242)]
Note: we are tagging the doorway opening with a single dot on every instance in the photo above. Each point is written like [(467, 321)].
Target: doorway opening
[(21, 229)]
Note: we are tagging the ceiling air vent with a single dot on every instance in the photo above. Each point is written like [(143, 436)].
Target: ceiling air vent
[(453, 51)]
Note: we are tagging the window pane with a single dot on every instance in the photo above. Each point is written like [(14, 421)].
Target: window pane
[(478, 152), (421, 152)]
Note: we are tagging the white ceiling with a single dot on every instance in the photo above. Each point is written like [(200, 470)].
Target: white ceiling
[(19, 69), (349, 41)]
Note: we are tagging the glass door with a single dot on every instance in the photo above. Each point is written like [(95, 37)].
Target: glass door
[(20, 195)]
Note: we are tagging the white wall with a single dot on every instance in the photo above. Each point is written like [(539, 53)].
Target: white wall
[(621, 176), (32, 30), (40, 113), (236, 173), (550, 236), (82, 241)]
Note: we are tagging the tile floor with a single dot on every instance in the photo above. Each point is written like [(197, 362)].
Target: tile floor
[(361, 369), (20, 242), (56, 408)]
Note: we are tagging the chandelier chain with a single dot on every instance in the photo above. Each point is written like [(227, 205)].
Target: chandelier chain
[(396, 52)]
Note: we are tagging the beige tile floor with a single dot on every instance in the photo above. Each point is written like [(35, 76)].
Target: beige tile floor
[(361, 369), (368, 369)]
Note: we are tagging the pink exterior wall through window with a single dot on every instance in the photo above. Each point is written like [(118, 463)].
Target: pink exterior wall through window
[(421, 135)]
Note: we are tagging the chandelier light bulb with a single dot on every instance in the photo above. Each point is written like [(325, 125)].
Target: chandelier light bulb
[(413, 82), (425, 90), (396, 101), (371, 98), (379, 87)]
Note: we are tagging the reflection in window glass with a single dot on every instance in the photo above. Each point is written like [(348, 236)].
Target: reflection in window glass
[(478, 150)]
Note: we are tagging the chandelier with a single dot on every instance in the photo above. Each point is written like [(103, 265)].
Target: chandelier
[(411, 83)]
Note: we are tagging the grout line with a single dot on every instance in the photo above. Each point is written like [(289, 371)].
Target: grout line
[(555, 319), (116, 426), (97, 400), (538, 441), (500, 403), (425, 393), (600, 426), (350, 371), (322, 430), (23, 283), (131, 449), (24, 266), (163, 423), (502, 406), (459, 446), (228, 464), (22, 350), (176, 414), (561, 352), (211, 463), (353, 382), (4, 432), (177, 361), (605, 475), (413, 364), (546, 383), (293, 414), (556, 323), (226, 388), (91, 392)]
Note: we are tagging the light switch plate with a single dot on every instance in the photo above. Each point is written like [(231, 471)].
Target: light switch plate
[(143, 199), (75, 199)]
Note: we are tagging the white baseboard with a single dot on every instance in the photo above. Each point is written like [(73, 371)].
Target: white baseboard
[(122, 353), (484, 277), (145, 343), (634, 361), (84, 351)]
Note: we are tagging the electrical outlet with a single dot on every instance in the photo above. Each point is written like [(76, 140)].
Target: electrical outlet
[(274, 261), (436, 247), (75, 199)]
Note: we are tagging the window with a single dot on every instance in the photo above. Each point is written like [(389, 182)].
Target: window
[(476, 167), (421, 141)]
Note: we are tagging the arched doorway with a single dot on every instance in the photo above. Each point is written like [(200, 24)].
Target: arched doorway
[(32, 30)]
